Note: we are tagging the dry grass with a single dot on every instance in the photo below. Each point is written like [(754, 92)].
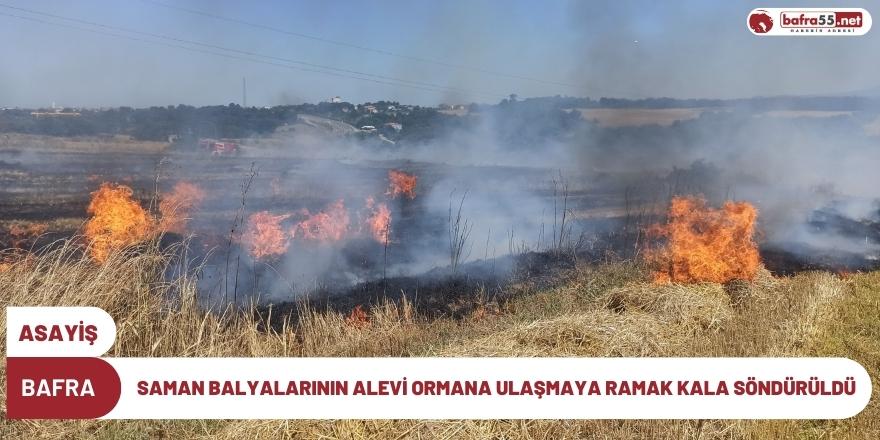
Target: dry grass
[(617, 117), (607, 310), (86, 144)]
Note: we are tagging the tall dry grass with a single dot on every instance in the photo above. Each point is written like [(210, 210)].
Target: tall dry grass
[(605, 310)]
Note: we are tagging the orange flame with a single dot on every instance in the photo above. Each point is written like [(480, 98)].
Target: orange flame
[(379, 221), (705, 244), (264, 237), (401, 184), (358, 317), (117, 220), (177, 206), (329, 225)]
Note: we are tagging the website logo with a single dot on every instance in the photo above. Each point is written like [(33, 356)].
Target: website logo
[(760, 21), (809, 21)]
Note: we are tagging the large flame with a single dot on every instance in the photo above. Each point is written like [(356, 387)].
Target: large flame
[(401, 184), (264, 237), (117, 220), (177, 206), (329, 225), (705, 244), (379, 221)]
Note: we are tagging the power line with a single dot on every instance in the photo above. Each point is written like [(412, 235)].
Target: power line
[(224, 55), (252, 54), (357, 46), (243, 54)]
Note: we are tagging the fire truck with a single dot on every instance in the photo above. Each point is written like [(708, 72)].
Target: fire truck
[(222, 147)]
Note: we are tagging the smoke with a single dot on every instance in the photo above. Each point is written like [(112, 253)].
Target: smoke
[(694, 49), (512, 171), (790, 167), (811, 176), (810, 173), (500, 167)]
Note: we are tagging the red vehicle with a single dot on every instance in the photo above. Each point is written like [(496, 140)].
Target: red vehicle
[(223, 147)]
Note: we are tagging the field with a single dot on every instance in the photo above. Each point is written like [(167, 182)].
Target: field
[(612, 117), (50, 189), (607, 309), (574, 295)]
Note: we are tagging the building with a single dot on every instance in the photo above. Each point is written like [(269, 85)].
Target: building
[(396, 126), (57, 113)]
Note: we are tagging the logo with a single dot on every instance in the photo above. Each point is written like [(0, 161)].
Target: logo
[(760, 22), (809, 21)]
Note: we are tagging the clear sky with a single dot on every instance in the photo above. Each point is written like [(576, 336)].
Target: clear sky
[(617, 48)]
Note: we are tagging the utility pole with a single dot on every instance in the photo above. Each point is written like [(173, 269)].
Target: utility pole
[(243, 92)]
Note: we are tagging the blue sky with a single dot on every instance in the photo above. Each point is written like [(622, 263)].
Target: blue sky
[(580, 48)]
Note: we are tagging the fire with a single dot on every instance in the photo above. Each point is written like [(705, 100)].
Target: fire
[(401, 184), (358, 317), (117, 220), (379, 221), (705, 244), (22, 232), (177, 206), (329, 225), (264, 236)]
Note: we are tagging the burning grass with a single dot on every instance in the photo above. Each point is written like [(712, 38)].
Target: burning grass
[(612, 309), (117, 220), (401, 184), (700, 243), (328, 225), (178, 205), (264, 236), (23, 232), (379, 221)]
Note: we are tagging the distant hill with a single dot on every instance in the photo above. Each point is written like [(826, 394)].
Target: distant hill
[(520, 121)]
